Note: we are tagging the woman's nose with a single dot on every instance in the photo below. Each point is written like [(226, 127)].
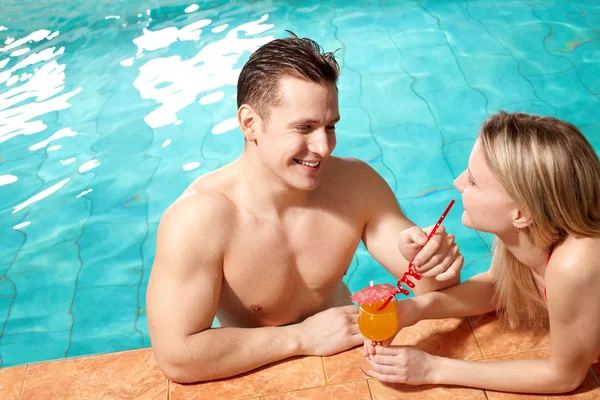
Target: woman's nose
[(459, 182)]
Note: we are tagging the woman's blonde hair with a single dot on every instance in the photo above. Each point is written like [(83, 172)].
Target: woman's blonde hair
[(549, 168)]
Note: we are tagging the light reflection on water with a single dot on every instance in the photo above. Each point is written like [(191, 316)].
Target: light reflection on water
[(175, 83), (88, 113), (109, 109), (172, 82)]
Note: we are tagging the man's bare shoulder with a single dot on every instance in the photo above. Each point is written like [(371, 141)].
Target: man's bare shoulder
[(199, 209), (205, 200), (351, 168), (195, 228), (355, 173)]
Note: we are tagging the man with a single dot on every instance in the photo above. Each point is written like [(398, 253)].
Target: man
[(263, 243)]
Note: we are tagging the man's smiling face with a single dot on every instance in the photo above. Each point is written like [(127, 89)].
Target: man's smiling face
[(299, 135)]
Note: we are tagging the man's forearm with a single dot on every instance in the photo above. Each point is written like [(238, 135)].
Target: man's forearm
[(472, 297), (224, 352), (524, 376)]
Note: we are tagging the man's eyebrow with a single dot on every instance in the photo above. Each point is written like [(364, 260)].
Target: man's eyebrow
[(309, 121)]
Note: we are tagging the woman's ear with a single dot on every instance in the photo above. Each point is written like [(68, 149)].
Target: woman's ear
[(248, 120), (521, 219)]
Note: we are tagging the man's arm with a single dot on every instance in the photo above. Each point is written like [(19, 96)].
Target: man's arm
[(382, 235), (183, 295)]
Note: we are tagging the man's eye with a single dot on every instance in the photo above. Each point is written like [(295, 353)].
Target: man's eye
[(331, 128), (303, 128)]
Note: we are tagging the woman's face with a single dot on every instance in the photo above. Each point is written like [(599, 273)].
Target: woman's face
[(487, 205)]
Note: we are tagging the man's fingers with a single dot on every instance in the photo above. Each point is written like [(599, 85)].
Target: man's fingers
[(350, 309), (357, 339)]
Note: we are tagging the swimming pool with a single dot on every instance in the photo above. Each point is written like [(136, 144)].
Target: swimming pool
[(108, 111)]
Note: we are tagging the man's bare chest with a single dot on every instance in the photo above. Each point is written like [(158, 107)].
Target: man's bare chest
[(276, 273)]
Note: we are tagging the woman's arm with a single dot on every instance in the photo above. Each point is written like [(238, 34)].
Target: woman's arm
[(472, 297), (574, 307), (572, 280)]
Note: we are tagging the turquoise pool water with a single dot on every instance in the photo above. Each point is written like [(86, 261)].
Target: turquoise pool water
[(109, 110)]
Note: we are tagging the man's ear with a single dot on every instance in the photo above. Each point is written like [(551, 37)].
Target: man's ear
[(249, 122)]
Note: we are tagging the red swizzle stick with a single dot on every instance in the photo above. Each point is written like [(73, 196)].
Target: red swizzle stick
[(412, 272)]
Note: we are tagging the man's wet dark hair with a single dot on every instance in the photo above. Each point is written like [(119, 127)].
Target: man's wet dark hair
[(295, 57)]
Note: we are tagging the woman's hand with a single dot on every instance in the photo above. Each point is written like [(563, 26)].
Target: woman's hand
[(439, 258), (409, 313), (402, 364)]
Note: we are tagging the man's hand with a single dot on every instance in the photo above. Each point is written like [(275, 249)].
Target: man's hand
[(439, 258), (330, 331)]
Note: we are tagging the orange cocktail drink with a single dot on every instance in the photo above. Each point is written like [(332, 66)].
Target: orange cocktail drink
[(378, 325)]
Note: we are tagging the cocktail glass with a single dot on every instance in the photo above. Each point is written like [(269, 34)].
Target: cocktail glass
[(377, 325)]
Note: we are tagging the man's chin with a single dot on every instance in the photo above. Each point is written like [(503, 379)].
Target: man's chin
[(306, 186)]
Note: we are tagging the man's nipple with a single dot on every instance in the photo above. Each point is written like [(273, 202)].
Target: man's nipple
[(256, 307)]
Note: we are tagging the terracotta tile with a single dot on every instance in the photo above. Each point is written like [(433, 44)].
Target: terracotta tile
[(588, 390), (451, 337), (385, 391), (125, 375), (11, 382), (344, 367), (350, 391), (495, 339), (281, 377)]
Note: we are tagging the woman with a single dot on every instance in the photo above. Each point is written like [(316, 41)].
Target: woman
[(534, 182)]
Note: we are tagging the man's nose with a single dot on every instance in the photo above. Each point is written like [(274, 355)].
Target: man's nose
[(319, 143)]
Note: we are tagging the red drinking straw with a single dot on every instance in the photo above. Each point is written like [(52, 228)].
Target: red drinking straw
[(411, 271)]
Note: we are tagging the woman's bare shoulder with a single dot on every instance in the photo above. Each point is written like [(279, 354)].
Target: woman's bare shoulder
[(576, 261)]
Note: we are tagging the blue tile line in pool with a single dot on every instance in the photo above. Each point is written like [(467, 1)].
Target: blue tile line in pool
[(108, 113)]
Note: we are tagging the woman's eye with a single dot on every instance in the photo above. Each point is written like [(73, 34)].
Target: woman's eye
[(471, 181)]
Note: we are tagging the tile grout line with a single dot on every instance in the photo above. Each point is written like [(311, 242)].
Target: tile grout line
[(13, 284), (302, 389), (324, 371), (369, 388), (23, 383), (511, 55), (475, 336), (485, 394)]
